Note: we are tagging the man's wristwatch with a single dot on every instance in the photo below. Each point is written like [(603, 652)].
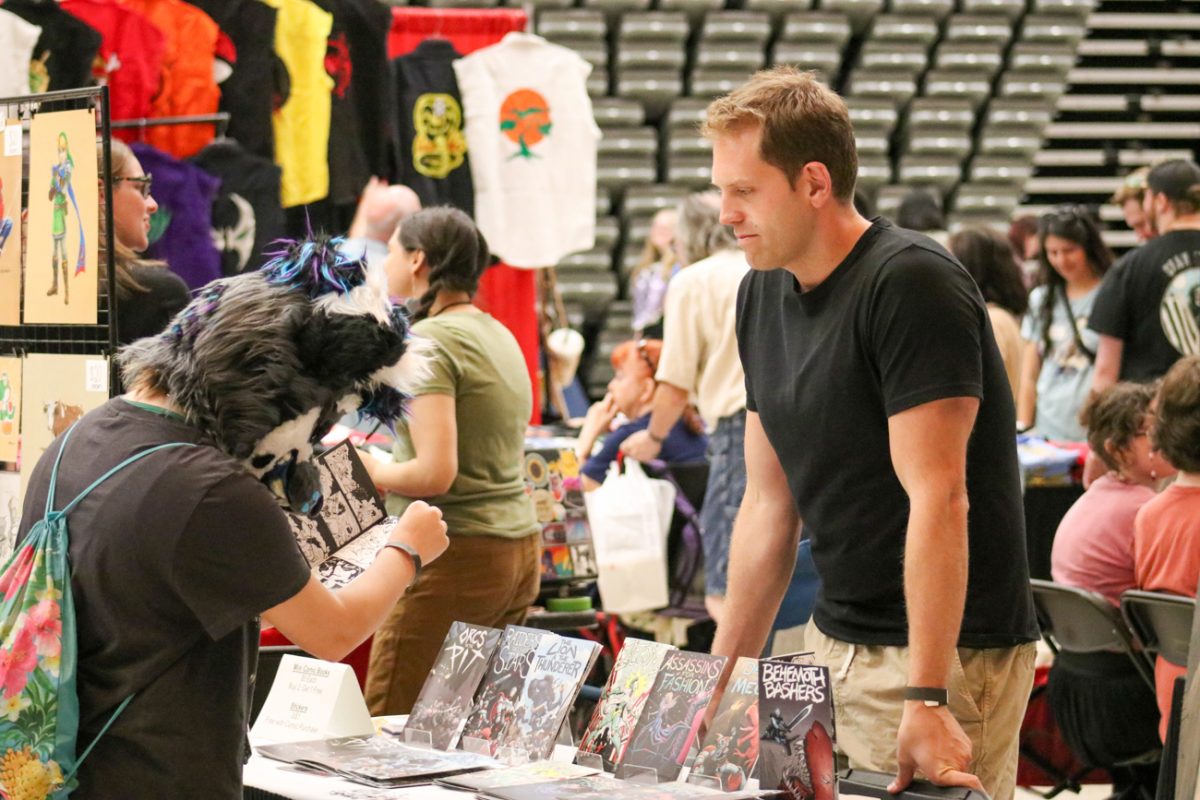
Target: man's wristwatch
[(411, 552), (928, 696)]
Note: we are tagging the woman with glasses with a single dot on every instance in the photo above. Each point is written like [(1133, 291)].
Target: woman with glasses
[(1056, 371), (631, 394), (462, 450), (148, 294), (1105, 710)]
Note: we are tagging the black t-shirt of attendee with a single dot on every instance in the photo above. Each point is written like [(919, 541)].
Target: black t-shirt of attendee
[(898, 323), (246, 216), (1151, 301), (66, 48), (259, 75), (433, 157), (146, 313), (172, 561)]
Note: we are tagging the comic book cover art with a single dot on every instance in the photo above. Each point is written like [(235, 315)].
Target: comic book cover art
[(796, 730), (555, 488), (672, 714), (623, 699), (555, 675), (729, 751), (535, 772), (499, 694), (445, 700)]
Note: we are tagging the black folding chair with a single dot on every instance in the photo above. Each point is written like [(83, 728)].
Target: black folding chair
[(1162, 623), (1077, 621)]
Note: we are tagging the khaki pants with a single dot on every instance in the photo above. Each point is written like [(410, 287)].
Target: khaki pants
[(988, 692), (484, 580)]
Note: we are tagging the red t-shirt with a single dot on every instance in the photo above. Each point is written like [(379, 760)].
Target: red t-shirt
[(130, 59), (1166, 557)]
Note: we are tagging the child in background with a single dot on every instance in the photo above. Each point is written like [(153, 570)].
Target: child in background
[(1166, 538), (631, 392), (649, 279)]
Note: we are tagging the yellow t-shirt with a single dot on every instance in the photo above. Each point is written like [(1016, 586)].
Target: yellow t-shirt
[(479, 363), (302, 124)]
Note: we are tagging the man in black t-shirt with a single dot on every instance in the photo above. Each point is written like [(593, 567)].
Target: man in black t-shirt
[(879, 413), (1148, 309)]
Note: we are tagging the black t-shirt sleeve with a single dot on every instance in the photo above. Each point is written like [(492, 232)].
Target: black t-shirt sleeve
[(743, 338), (1110, 312), (236, 557), (925, 324)]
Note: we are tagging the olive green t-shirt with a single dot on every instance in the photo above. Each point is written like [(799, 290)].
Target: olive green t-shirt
[(479, 363)]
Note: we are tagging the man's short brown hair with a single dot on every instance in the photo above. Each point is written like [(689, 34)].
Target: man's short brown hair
[(1177, 431), (1132, 187), (802, 121)]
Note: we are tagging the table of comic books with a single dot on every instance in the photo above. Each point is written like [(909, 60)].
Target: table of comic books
[(490, 721)]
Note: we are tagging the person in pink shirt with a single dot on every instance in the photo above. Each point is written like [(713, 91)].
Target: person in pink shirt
[(1105, 711), (1166, 539)]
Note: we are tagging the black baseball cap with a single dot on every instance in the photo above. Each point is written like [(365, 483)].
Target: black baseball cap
[(1174, 178)]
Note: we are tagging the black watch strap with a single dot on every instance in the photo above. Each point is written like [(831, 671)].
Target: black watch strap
[(411, 552), (930, 696)]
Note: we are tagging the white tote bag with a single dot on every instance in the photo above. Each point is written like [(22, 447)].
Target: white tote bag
[(630, 516)]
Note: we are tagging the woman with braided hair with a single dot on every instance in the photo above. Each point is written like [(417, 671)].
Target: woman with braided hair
[(463, 451)]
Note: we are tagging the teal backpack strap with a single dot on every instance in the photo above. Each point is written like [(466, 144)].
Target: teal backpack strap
[(127, 462), (53, 515)]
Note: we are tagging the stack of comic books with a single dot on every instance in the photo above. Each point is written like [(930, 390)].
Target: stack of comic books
[(527, 689), (621, 703), (447, 697), (796, 730), (380, 761), (667, 726), (341, 540)]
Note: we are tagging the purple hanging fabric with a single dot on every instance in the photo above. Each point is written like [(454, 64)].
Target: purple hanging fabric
[(181, 229)]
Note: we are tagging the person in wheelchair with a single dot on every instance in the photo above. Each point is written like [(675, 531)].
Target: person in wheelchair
[(631, 394)]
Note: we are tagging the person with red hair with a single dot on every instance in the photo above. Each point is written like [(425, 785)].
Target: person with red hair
[(631, 394)]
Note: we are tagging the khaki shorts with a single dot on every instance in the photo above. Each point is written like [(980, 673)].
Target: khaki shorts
[(988, 692)]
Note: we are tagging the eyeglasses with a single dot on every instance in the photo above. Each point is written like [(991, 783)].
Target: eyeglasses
[(141, 183)]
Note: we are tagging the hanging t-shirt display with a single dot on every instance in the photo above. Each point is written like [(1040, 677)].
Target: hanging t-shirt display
[(188, 86), (533, 148), (258, 74), (17, 38), (181, 229), (63, 55), (433, 158), (246, 216), (130, 58), (356, 60), (302, 121)]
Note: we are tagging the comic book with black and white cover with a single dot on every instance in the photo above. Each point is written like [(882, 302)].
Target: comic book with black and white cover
[(796, 730), (556, 674), (445, 700), (672, 715), (499, 696), (729, 751), (343, 538), (622, 700), (375, 760)]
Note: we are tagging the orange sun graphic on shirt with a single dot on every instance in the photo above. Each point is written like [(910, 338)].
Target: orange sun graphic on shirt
[(525, 120)]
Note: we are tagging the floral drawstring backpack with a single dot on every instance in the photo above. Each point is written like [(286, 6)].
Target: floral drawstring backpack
[(39, 710)]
